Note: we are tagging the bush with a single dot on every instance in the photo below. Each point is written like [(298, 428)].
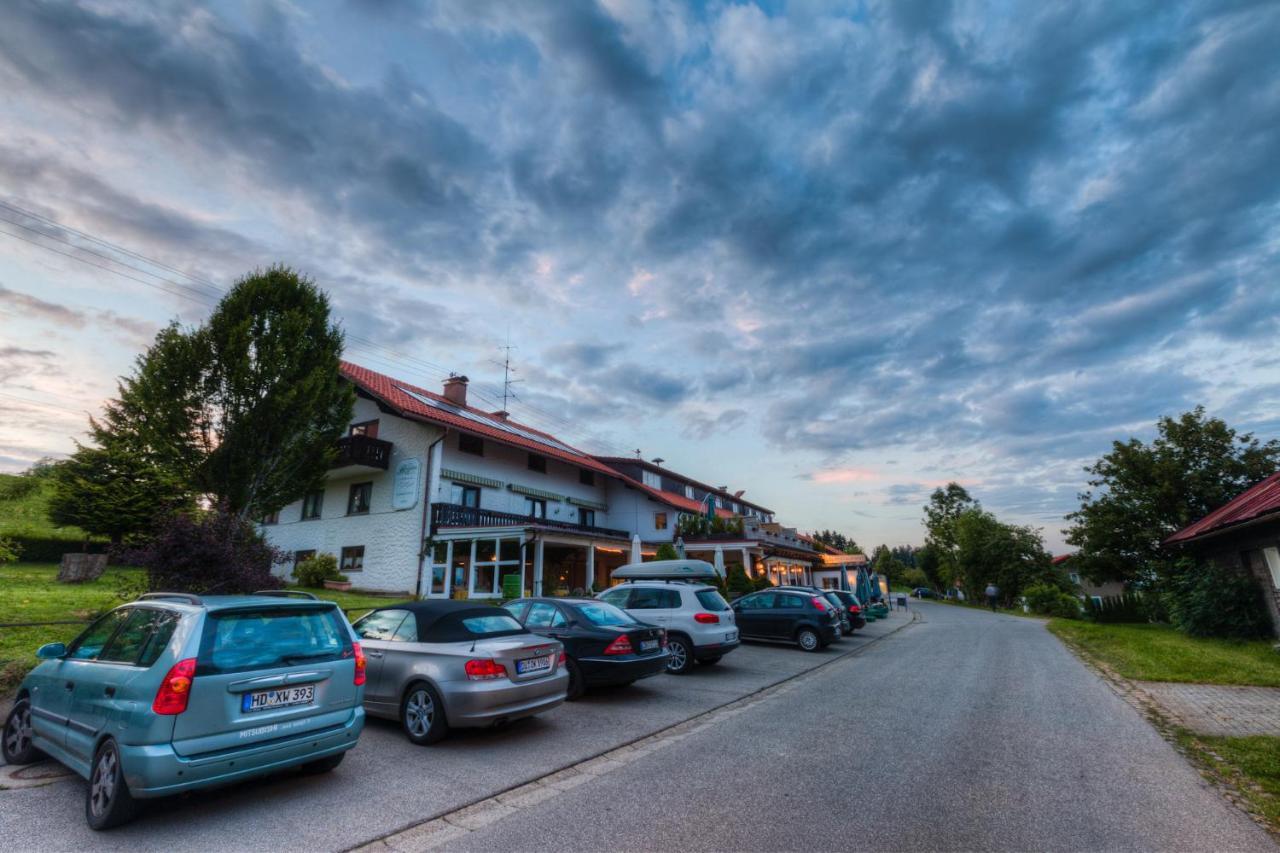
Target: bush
[(666, 551), (49, 549), (316, 570), (913, 578), (1047, 600), (209, 552), (9, 550), (1209, 600), (739, 584), (762, 582)]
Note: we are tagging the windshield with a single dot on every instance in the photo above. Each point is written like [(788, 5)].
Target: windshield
[(235, 641), (603, 613), (711, 600)]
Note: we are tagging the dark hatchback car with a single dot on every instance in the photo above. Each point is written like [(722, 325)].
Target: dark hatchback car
[(852, 609), (603, 644), (798, 616)]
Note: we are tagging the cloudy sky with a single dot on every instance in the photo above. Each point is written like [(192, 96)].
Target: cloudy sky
[(831, 253)]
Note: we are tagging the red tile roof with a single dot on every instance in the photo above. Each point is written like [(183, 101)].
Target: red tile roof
[(658, 469), (392, 393), (1262, 499), (1062, 558)]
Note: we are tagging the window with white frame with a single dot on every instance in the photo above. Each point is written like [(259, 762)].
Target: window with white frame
[(652, 479), (535, 507), (688, 491), (464, 495), (1272, 556), (492, 560)]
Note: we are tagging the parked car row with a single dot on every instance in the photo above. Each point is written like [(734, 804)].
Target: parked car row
[(176, 692)]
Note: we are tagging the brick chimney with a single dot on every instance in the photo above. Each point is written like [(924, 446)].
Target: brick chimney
[(455, 390)]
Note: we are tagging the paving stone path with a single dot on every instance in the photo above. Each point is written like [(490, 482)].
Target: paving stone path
[(1215, 709)]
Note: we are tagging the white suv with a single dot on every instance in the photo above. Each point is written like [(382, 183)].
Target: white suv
[(699, 622)]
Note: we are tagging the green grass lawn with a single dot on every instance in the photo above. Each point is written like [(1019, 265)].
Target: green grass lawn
[(1252, 764), (24, 508), (30, 592), (1160, 653)]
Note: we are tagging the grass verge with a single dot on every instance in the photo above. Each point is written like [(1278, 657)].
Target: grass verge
[(1161, 653), (30, 592), (1249, 766)]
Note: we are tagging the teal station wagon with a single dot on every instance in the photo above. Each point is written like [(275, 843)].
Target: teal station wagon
[(175, 692)]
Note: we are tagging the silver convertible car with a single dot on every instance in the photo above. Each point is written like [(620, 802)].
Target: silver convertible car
[(436, 665)]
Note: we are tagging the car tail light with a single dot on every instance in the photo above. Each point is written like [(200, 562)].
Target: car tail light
[(484, 670), (175, 690), (853, 608), (620, 646), (361, 664), (563, 658), (706, 618), (817, 604)]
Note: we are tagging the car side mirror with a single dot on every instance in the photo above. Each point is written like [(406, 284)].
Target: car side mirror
[(52, 651)]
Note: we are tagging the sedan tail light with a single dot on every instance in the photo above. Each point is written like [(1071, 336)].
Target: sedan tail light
[(620, 646), (175, 690), (706, 618), (562, 659), (485, 670), (361, 664)]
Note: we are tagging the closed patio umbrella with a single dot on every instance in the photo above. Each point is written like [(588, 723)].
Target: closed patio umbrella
[(635, 548), (680, 547), (719, 561)]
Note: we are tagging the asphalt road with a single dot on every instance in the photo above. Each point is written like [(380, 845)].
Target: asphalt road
[(385, 783), (967, 731)]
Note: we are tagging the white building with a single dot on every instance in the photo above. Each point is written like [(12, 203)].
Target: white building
[(432, 496)]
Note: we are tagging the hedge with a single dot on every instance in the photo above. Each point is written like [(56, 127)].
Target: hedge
[(49, 549)]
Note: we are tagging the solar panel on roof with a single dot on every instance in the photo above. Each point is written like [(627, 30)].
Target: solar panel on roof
[(488, 422)]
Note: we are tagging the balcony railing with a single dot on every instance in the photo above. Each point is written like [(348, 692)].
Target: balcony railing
[(363, 450), (456, 515)]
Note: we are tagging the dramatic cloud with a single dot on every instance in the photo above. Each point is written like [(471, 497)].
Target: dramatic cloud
[(982, 241)]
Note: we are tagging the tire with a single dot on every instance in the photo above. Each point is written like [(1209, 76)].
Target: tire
[(808, 639), (323, 765), (17, 741), (422, 715), (576, 684), (108, 802), (681, 660), (710, 661)]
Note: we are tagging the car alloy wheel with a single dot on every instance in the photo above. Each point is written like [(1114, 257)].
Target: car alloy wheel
[(17, 734), (808, 640), (102, 786), (419, 713), (679, 662), (108, 801)]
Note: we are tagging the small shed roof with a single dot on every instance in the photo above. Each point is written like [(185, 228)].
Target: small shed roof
[(1253, 503)]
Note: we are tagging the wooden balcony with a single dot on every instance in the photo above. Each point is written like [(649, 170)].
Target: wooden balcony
[(362, 451), (456, 515)]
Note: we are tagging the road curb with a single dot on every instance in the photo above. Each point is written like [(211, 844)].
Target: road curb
[(438, 829)]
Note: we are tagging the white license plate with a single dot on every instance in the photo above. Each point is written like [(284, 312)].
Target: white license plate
[(528, 665), (730, 636), (264, 700), (648, 645)]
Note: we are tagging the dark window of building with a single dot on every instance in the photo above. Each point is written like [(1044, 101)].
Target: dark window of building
[(535, 507), (537, 463), (587, 517), (299, 556), (659, 521), (586, 478), (271, 518), (468, 443), (359, 497), (465, 495), (365, 428), (312, 503), (352, 559)]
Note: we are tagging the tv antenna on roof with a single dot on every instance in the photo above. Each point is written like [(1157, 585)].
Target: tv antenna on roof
[(507, 370)]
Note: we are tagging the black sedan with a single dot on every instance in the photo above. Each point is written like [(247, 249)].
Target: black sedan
[(602, 644)]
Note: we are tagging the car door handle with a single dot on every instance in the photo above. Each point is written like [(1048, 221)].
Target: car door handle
[(110, 691), (373, 654), (70, 685)]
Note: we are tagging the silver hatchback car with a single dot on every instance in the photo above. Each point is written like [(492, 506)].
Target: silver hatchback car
[(436, 665)]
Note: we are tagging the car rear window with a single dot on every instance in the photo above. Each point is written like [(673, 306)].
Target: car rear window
[(482, 625), (711, 600), (604, 614), (240, 640)]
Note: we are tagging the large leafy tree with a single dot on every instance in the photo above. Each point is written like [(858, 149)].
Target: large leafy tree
[(837, 540), (113, 491), (945, 507), (247, 407), (1141, 493), (1007, 555)]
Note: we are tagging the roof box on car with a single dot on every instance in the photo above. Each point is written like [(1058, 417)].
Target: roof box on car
[(666, 570)]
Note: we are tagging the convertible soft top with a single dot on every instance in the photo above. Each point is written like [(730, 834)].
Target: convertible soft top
[(443, 621)]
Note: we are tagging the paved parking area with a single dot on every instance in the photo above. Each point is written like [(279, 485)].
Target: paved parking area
[(1217, 709), (386, 784)]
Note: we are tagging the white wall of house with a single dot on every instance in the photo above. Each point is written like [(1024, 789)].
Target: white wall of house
[(389, 536), (508, 465), (633, 511)]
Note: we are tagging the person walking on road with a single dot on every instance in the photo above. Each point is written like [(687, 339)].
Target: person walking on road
[(993, 592)]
